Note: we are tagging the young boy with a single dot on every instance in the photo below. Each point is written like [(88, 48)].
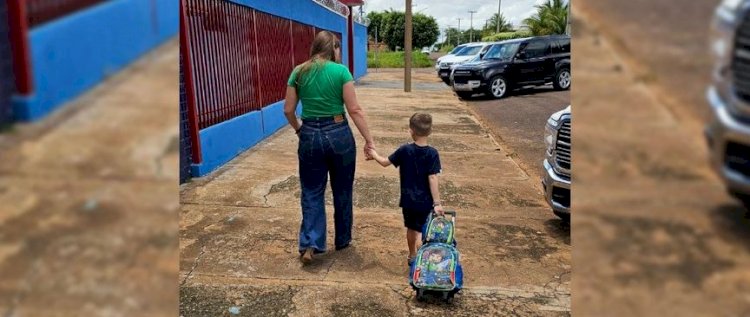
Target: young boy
[(419, 166)]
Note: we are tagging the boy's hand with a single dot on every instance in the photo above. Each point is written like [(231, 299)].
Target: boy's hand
[(370, 153), (369, 149), (439, 210)]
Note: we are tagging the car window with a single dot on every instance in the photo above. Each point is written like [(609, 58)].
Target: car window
[(502, 51), (554, 47), (469, 50), (536, 49), (457, 49)]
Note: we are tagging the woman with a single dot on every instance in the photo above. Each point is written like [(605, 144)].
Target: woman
[(326, 143)]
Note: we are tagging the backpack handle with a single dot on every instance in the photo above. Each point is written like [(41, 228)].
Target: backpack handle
[(452, 213)]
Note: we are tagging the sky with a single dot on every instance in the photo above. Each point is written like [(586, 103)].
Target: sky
[(447, 12)]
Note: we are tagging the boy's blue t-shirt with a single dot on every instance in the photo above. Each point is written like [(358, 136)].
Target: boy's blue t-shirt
[(416, 163)]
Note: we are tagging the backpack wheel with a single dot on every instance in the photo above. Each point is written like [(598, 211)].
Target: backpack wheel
[(420, 295)]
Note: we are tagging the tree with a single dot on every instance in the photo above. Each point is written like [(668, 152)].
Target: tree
[(491, 27), (376, 23), (452, 36), (550, 18), (393, 28), (426, 31), (467, 35)]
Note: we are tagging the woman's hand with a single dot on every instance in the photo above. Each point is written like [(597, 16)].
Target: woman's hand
[(369, 146)]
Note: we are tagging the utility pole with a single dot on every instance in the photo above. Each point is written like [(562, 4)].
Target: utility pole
[(447, 35), (407, 48), (459, 31), (499, 3), (568, 29), (377, 48), (471, 26)]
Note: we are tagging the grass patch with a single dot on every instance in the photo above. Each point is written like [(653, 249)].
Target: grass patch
[(396, 60)]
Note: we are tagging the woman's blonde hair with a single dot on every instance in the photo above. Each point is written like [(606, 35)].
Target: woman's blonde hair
[(323, 48)]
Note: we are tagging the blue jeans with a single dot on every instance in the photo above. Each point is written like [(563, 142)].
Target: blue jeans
[(326, 147)]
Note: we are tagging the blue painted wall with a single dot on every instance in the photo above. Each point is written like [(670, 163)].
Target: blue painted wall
[(74, 53), (360, 50), (222, 142)]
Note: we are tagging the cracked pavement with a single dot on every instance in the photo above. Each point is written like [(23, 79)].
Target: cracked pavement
[(655, 233), (239, 225), (88, 200)]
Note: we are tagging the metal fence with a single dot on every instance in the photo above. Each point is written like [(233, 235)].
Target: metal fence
[(335, 6), (185, 144), (241, 58), (40, 11), (7, 84)]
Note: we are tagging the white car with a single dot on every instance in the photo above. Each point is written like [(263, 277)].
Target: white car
[(426, 50), (452, 53), (557, 163), (468, 53)]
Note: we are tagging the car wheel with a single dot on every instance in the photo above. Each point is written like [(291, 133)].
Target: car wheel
[(562, 80), (498, 87), (447, 81), (465, 95), (563, 216)]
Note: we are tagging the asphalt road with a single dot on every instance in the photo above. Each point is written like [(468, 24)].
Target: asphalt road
[(518, 122)]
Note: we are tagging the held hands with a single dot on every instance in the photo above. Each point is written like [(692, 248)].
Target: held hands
[(370, 151)]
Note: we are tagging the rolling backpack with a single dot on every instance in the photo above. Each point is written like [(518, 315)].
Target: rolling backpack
[(437, 268)]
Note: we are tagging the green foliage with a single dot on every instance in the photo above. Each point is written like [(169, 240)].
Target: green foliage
[(453, 36), (550, 18), (446, 48), (467, 36), (396, 60), (376, 23), (426, 31), (392, 29), (491, 27), (503, 36)]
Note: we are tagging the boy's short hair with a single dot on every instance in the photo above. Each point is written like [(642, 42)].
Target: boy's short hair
[(421, 124)]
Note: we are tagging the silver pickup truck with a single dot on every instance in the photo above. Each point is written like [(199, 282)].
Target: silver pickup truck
[(728, 132), (556, 180)]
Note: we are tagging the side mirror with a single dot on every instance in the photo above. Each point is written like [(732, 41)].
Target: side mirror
[(521, 55), (481, 55)]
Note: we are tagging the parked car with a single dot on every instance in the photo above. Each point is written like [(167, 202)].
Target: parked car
[(556, 180), (728, 131), (471, 51), (514, 64), (450, 54), (426, 50)]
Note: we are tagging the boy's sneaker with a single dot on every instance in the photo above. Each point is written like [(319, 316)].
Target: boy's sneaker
[(410, 260)]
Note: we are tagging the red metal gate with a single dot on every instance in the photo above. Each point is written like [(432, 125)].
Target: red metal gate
[(241, 58), (40, 11), (7, 84)]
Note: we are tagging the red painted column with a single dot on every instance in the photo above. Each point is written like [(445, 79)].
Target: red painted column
[(350, 39), (189, 86), (19, 42)]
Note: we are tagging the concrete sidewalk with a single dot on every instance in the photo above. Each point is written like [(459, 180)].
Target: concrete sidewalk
[(88, 201), (239, 226), (656, 234)]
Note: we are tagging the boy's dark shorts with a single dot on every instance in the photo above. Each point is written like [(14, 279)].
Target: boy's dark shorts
[(415, 219)]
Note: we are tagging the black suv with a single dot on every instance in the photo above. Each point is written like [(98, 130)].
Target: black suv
[(516, 63)]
